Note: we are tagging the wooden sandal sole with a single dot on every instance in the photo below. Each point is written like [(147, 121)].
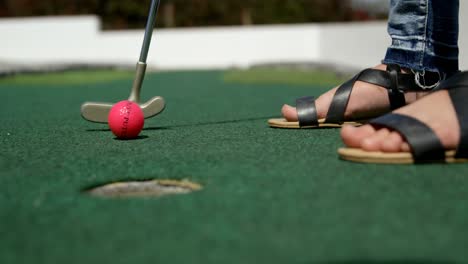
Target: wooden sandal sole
[(283, 123), (362, 156)]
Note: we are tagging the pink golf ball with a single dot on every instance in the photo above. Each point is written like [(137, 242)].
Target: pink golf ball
[(126, 120)]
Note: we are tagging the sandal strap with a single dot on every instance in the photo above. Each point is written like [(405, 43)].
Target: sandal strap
[(396, 83), (405, 81), (395, 96), (392, 79), (459, 80), (340, 101), (457, 87), (306, 111), (424, 143)]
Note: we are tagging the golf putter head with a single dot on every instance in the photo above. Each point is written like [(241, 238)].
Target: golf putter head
[(153, 107), (99, 112), (95, 111)]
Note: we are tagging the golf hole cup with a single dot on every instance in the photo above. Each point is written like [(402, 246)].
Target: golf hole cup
[(126, 120)]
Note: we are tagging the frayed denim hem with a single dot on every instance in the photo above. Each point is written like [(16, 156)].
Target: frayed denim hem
[(420, 61)]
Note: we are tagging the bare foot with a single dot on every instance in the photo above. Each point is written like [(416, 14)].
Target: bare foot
[(435, 110), (366, 101)]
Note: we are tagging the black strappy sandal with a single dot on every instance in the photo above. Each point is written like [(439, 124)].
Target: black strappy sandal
[(425, 145), (396, 82)]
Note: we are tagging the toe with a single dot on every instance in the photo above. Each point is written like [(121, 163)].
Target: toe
[(374, 142), (405, 147), (353, 136), (289, 113), (392, 143)]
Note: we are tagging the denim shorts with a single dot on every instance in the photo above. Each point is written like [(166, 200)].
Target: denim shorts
[(424, 35)]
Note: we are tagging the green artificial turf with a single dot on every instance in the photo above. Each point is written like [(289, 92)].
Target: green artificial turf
[(269, 195)]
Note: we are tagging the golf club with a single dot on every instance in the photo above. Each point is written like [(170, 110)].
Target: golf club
[(98, 112)]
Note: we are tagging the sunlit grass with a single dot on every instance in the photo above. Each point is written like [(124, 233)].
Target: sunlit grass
[(283, 76), (68, 77), (251, 76)]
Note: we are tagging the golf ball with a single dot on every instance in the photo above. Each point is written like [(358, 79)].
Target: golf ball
[(126, 120)]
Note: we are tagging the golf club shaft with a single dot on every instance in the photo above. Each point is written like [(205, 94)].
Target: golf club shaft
[(99, 112), (141, 66), (149, 30)]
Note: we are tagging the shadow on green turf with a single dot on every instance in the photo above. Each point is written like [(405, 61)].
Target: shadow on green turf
[(133, 139), (399, 261), (108, 130), (192, 124), (212, 123), (184, 125)]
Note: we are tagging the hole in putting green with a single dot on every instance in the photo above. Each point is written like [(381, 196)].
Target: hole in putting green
[(151, 188)]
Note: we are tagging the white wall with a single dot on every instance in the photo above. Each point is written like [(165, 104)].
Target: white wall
[(57, 40), (49, 39), (78, 40), (216, 47), (358, 45)]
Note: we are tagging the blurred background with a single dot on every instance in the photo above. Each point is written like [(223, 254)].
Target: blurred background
[(197, 34), (127, 14)]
